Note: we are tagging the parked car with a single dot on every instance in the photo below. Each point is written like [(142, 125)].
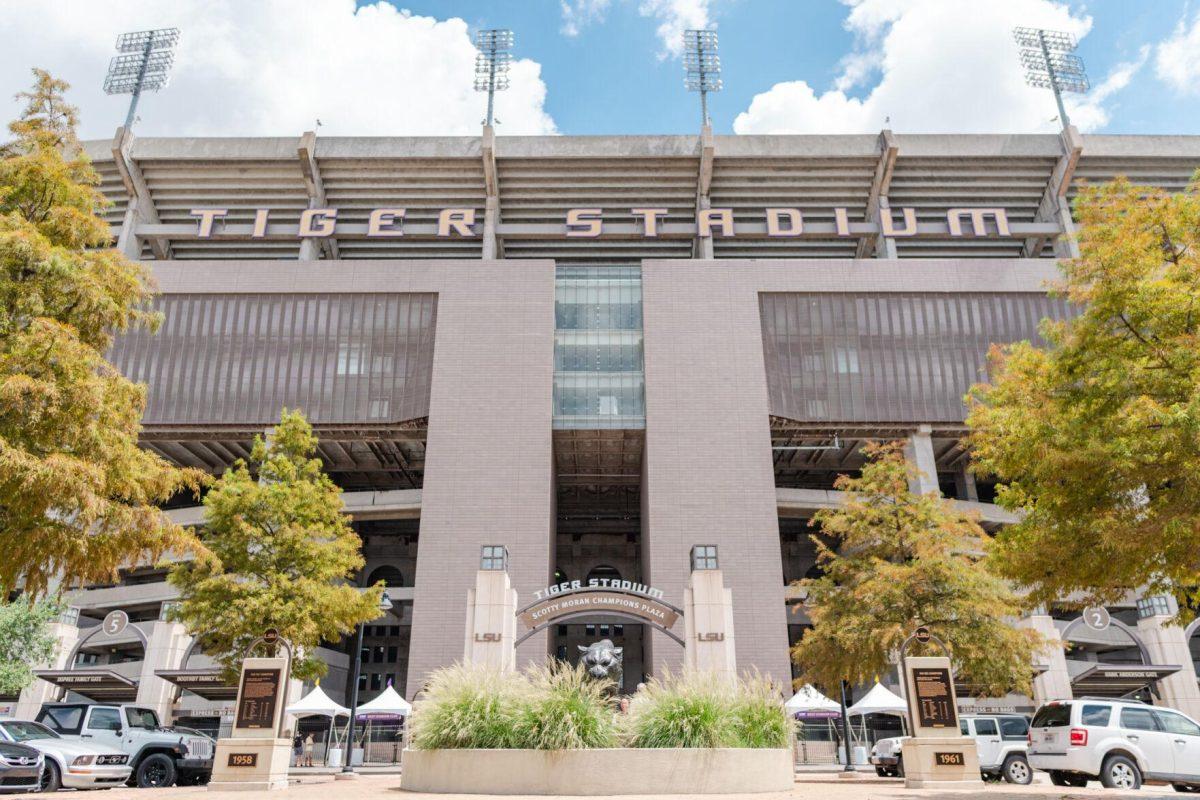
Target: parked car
[(1121, 743), (20, 768), (69, 764), (1001, 740), (159, 756)]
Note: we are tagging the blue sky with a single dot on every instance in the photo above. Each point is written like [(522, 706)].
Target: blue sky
[(404, 67), (610, 78)]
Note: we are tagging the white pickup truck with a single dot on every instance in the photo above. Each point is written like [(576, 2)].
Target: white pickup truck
[(1002, 740), (159, 756)]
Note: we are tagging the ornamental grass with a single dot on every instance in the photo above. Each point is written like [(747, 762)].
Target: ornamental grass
[(566, 709), (560, 707), (469, 707)]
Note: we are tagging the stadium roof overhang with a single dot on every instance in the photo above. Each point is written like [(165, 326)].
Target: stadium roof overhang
[(100, 685), (1118, 680), (208, 683)]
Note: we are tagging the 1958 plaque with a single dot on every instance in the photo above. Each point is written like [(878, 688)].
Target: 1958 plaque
[(935, 700), (258, 698)]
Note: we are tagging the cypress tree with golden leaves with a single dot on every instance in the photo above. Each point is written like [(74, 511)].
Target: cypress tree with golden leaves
[(894, 560), (1095, 437), (279, 553), (78, 497)]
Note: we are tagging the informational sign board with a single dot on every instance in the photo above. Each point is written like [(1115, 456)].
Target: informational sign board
[(934, 698), (929, 690), (258, 698)]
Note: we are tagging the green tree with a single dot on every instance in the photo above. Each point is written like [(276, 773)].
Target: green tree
[(894, 560), (78, 497), (1095, 437), (25, 640), (279, 553)]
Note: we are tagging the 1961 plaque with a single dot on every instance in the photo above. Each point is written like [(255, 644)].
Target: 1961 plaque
[(935, 699), (258, 698)]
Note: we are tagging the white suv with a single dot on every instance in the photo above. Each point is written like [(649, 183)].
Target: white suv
[(1001, 740), (1119, 742)]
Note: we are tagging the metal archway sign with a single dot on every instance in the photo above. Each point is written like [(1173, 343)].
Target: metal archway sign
[(592, 600)]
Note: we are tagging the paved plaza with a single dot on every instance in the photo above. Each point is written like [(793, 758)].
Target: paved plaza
[(823, 786)]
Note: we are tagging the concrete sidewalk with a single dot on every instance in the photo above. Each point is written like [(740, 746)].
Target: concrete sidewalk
[(321, 785)]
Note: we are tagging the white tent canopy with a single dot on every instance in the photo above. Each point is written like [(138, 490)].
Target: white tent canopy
[(389, 702), (809, 699), (880, 700), (317, 704)]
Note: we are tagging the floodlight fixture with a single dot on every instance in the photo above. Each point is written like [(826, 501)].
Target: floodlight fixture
[(1049, 63), (145, 65), (492, 63), (702, 66)]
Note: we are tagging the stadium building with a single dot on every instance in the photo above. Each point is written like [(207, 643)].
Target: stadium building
[(580, 358)]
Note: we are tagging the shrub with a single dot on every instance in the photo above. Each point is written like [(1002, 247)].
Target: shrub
[(565, 710), (469, 707)]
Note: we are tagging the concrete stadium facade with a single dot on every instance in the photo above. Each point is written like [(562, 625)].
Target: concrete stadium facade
[(694, 372)]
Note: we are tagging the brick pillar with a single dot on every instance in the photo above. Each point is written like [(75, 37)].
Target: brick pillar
[(1055, 682), (39, 692), (168, 643), (1168, 644), (489, 456), (709, 478)]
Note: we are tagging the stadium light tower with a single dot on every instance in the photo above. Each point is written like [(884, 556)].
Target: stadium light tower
[(702, 66), (144, 65), (492, 63), (1049, 64)]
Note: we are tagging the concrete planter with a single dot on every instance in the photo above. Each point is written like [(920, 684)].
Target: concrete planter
[(598, 772)]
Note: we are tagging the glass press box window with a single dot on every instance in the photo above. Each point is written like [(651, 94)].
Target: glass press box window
[(598, 373)]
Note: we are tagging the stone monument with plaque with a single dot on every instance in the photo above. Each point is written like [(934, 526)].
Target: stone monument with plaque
[(936, 754), (256, 756)]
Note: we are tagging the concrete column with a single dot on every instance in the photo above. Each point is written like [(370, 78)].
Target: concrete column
[(885, 246), (708, 474), (168, 643), (39, 692), (704, 244), (489, 463), (1168, 644), (491, 215), (491, 622), (919, 453), (1055, 682), (129, 245), (708, 623)]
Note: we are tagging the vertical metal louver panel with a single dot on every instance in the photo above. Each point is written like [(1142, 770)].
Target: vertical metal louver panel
[(888, 357), (237, 359), (599, 378)]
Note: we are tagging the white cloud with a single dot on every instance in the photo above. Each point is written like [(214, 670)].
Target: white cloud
[(577, 14), (271, 67), (673, 16), (943, 66), (1177, 61)]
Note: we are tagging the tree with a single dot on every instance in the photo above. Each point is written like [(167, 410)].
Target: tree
[(78, 497), (25, 640), (1095, 437), (279, 552), (892, 561)]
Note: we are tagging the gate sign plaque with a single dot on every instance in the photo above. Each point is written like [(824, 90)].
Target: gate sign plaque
[(590, 601), (258, 698), (934, 698)]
